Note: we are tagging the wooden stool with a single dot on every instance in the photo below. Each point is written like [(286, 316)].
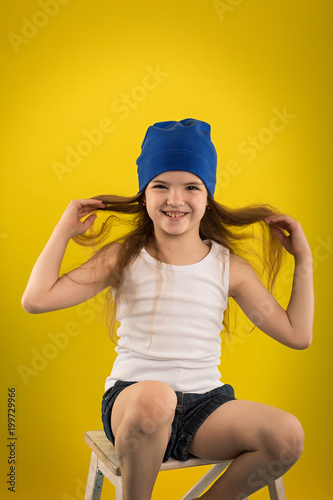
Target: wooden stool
[(104, 463)]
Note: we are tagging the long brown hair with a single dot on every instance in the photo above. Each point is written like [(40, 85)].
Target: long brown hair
[(241, 230)]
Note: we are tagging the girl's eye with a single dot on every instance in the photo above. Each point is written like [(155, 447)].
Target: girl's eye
[(162, 186)]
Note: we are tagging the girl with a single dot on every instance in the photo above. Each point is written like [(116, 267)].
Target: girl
[(171, 278)]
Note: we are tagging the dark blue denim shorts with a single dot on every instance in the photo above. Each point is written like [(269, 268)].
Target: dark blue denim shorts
[(191, 411)]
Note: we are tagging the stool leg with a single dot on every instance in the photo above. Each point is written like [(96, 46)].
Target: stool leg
[(114, 479), (119, 489), (95, 480), (206, 480), (276, 490)]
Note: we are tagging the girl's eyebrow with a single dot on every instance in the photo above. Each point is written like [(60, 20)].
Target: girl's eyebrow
[(160, 181)]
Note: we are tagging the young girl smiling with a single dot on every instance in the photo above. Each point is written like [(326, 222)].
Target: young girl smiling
[(171, 278)]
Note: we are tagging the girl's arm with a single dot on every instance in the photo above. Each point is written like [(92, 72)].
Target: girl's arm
[(46, 291), (293, 326)]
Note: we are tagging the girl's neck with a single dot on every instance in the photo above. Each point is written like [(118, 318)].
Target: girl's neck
[(179, 250)]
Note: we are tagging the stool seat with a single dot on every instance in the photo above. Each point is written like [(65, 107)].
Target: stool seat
[(104, 463)]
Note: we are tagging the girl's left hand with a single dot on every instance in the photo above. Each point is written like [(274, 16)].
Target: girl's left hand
[(295, 242)]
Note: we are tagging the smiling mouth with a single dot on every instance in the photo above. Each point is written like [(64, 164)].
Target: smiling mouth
[(175, 215)]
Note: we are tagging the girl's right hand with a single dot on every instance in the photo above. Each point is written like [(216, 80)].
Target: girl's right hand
[(76, 210)]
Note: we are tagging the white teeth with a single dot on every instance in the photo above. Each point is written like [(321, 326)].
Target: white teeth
[(170, 214)]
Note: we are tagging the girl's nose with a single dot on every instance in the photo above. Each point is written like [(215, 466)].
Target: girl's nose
[(175, 199)]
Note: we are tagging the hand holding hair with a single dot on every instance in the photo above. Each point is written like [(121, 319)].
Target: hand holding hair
[(76, 210), (295, 242)]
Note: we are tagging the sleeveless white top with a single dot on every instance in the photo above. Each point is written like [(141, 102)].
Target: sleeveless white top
[(171, 319)]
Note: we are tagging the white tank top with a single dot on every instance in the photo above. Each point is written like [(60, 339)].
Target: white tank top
[(171, 319)]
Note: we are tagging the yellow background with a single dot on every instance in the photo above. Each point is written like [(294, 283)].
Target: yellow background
[(85, 65)]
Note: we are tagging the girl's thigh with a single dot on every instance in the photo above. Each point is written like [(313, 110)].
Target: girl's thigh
[(148, 405), (238, 426)]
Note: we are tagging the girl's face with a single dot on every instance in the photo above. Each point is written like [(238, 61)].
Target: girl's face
[(176, 202)]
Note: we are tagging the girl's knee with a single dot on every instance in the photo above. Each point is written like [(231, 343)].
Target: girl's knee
[(151, 407), (286, 439), (294, 439)]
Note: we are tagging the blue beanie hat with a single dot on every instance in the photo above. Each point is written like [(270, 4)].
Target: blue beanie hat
[(185, 145)]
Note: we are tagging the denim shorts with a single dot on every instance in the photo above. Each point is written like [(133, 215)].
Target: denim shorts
[(191, 411)]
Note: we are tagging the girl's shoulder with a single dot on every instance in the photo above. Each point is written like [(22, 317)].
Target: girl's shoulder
[(237, 268)]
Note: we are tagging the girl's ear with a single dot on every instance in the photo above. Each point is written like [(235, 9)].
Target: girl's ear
[(144, 198)]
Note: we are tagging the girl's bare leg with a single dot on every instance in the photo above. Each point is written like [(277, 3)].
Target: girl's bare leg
[(263, 441), (141, 422)]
